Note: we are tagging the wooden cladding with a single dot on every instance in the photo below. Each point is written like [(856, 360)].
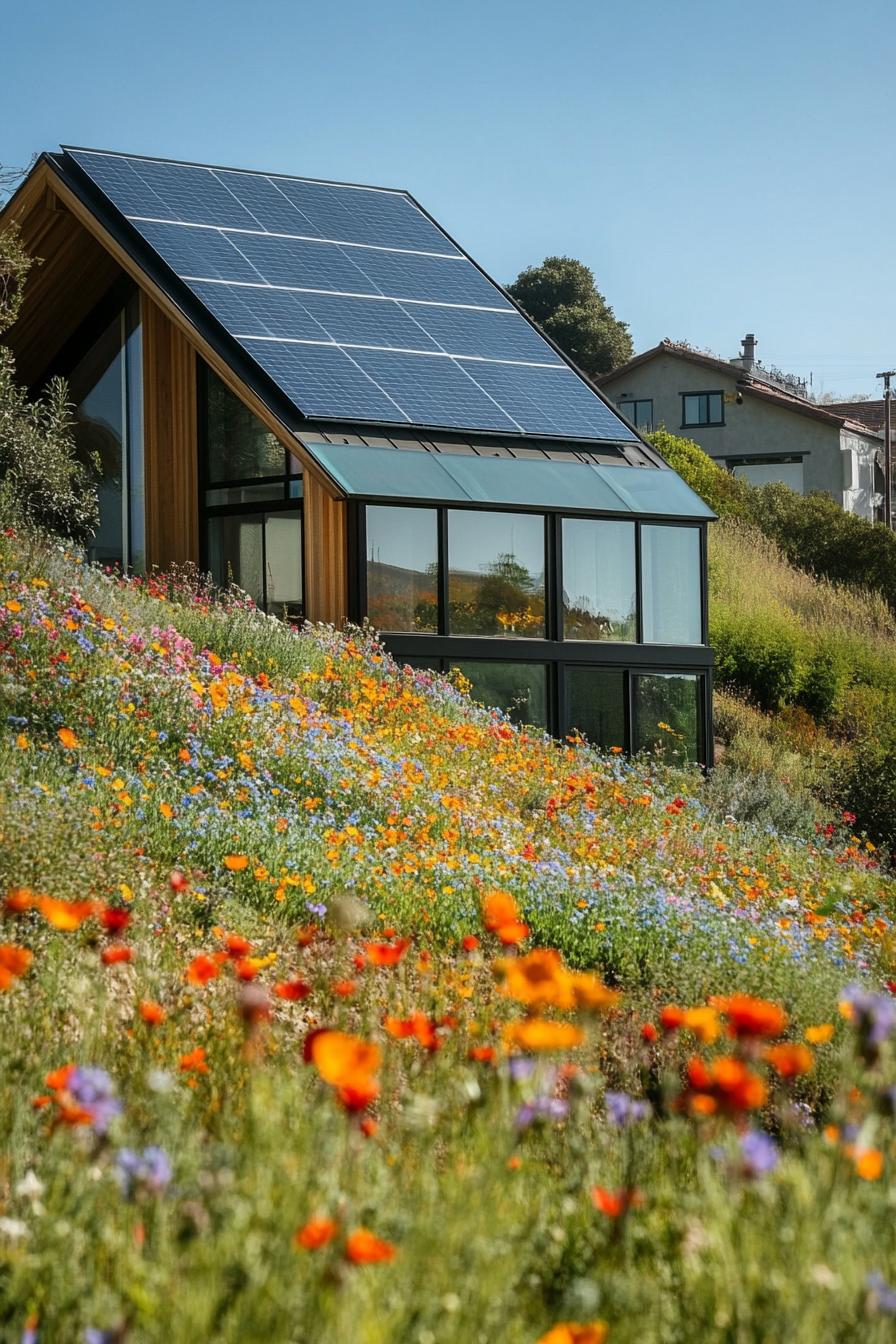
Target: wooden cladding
[(71, 272), (171, 450), (326, 554)]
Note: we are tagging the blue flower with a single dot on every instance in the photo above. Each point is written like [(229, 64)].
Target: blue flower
[(759, 1153), (94, 1092), (623, 1110), (884, 1297), (150, 1169), (541, 1110)]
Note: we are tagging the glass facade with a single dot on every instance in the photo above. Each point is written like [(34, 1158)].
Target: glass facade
[(599, 580), (252, 493), (402, 568), (519, 689), (667, 715), (671, 591), (105, 387), (639, 411), (596, 705), (496, 564), (590, 625)]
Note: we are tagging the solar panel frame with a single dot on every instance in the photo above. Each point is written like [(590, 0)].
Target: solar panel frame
[(387, 365)]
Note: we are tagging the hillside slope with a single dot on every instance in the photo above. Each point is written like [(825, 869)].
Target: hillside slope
[(226, 845)]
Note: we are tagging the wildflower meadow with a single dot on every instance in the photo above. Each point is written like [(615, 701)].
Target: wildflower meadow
[(334, 1007)]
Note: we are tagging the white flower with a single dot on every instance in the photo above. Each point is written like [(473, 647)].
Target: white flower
[(13, 1229), (30, 1186)]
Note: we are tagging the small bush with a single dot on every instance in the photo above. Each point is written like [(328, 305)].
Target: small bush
[(761, 661)]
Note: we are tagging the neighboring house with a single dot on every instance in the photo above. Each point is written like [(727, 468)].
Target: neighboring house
[(756, 422), (311, 388)]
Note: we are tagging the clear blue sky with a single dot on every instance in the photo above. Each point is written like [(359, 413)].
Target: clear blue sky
[(721, 167)]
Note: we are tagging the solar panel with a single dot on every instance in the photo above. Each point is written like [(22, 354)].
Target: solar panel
[(352, 300)]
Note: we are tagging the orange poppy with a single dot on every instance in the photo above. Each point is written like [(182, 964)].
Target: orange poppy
[(202, 969), (347, 1063), (14, 962), (343, 989), (869, 1164), (237, 946), (315, 1233), (292, 990), (726, 1083), (614, 1203), (386, 954), (152, 1013), (790, 1061), (417, 1026), (538, 1033), (236, 863), (469, 942), (501, 916), (649, 1032), (571, 1332), (363, 1248), (65, 915), (821, 1034), (18, 900), (482, 1054), (538, 979), (116, 955), (751, 1017), (194, 1062), (592, 994), (68, 739)]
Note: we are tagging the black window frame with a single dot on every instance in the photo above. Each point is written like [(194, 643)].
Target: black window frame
[(630, 658), (287, 503), (707, 423), (626, 402)]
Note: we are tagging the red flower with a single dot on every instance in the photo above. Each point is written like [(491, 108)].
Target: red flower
[(292, 990), (114, 918), (363, 1248), (116, 955), (315, 1233)]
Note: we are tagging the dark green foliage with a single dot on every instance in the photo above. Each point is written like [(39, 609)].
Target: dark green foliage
[(43, 484), (561, 296), (726, 494), (761, 661)]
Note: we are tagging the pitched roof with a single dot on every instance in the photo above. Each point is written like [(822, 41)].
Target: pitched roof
[(352, 301), (751, 384)]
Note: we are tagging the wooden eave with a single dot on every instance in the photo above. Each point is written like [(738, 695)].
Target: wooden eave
[(43, 207)]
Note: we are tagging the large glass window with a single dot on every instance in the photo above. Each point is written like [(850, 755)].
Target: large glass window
[(403, 568), (520, 689), (496, 574), (238, 447), (599, 586), (253, 510), (262, 554), (702, 408), (595, 699), (671, 585), (667, 715), (105, 389)]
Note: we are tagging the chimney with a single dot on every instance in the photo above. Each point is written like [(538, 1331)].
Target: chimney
[(748, 357)]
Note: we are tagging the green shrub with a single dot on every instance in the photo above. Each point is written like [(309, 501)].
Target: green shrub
[(761, 661), (726, 495), (823, 684)]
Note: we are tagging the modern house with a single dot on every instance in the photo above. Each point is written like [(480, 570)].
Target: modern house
[(757, 422), (309, 387)]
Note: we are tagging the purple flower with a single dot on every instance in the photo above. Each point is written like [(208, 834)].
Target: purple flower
[(541, 1110), (94, 1336), (94, 1092), (759, 1153), (150, 1169), (29, 1334), (873, 1015), (317, 908), (623, 1110), (520, 1067), (884, 1297)]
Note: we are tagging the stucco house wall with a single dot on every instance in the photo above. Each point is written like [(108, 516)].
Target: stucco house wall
[(835, 460)]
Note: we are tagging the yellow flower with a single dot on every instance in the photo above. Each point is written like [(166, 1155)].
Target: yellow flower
[(820, 1035), (538, 1033)]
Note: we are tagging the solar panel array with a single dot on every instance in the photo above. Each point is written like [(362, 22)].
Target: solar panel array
[(352, 300)]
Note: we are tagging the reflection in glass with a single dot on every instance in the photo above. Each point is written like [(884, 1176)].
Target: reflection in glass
[(520, 689), (599, 587), (238, 447), (667, 715), (670, 585), (496, 574), (402, 568), (596, 701), (262, 554), (105, 388)]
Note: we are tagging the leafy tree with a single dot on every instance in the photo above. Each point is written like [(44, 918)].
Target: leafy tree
[(561, 296), (43, 483)]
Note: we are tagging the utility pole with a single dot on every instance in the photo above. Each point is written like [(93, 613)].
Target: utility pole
[(888, 456)]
